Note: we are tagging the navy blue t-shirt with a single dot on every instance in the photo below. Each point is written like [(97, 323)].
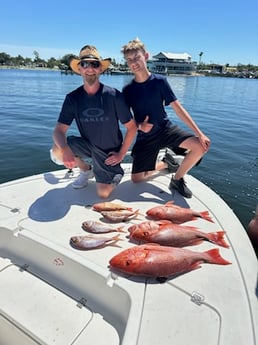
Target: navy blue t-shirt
[(97, 115), (148, 99)]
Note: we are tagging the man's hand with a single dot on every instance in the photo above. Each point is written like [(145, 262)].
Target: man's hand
[(114, 158), (68, 158)]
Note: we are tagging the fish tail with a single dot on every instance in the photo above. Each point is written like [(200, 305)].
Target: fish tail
[(137, 213), (205, 215), (218, 238), (214, 257), (114, 239)]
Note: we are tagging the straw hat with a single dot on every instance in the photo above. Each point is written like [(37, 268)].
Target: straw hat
[(89, 52)]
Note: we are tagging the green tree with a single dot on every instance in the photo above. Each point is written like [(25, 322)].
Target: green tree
[(36, 56), (5, 59), (52, 62)]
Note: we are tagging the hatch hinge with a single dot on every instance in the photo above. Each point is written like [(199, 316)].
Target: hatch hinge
[(24, 267), (197, 298), (82, 302)]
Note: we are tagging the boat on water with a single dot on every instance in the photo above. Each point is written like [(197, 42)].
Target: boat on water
[(53, 293), (118, 71)]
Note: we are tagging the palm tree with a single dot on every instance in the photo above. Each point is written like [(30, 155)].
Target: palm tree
[(200, 57), (36, 54)]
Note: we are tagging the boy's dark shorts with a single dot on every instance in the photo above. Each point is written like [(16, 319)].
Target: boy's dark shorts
[(145, 152)]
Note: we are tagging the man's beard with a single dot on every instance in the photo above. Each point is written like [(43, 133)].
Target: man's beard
[(91, 79)]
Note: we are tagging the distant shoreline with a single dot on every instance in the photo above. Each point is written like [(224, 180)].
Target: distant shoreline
[(31, 68), (248, 75)]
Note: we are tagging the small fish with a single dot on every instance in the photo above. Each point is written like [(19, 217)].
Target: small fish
[(109, 206), (150, 260), (120, 215), (147, 225), (99, 228), (175, 235), (176, 214), (91, 242)]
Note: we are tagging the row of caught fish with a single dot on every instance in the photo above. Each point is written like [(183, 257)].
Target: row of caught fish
[(158, 258), (118, 213), (153, 260), (164, 231)]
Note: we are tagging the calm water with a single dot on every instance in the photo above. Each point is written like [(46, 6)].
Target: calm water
[(225, 109)]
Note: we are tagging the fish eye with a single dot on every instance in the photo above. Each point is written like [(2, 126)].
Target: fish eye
[(128, 262)]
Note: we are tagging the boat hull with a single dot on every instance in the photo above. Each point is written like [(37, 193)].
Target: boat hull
[(51, 293)]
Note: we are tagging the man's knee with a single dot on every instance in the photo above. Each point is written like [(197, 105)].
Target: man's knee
[(104, 190), (55, 155)]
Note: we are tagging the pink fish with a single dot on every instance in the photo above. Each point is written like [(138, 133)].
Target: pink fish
[(176, 214), (120, 215), (91, 242), (147, 225), (175, 235), (150, 260), (109, 206), (99, 228)]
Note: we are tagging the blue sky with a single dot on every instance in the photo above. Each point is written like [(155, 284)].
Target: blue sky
[(226, 31)]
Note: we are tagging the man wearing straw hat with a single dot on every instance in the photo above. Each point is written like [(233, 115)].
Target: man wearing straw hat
[(97, 110)]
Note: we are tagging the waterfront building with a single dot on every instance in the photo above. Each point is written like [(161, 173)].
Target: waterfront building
[(172, 63)]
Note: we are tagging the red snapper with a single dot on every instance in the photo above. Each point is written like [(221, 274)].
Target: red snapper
[(151, 260)]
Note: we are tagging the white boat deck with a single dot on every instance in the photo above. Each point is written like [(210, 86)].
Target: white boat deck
[(51, 293)]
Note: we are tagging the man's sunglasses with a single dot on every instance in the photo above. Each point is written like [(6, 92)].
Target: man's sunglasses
[(86, 64)]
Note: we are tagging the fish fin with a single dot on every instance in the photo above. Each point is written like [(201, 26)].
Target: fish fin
[(134, 215), (114, 244), (214, 257), (121, 229), (113, 241), (195, 266), (218, 238), (169, 203), (153, 244), (115, 238), (137, 212), (205, 215), (161, 280), (193, 242), (163, 221)]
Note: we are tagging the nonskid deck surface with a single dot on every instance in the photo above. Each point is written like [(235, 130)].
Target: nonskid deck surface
[(66, 296)]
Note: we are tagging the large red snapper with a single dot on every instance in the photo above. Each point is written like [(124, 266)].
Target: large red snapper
[(176, 214), (171, 234), (150, 260)]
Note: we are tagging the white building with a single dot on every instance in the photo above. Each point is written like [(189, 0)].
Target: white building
[(172, 63)]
